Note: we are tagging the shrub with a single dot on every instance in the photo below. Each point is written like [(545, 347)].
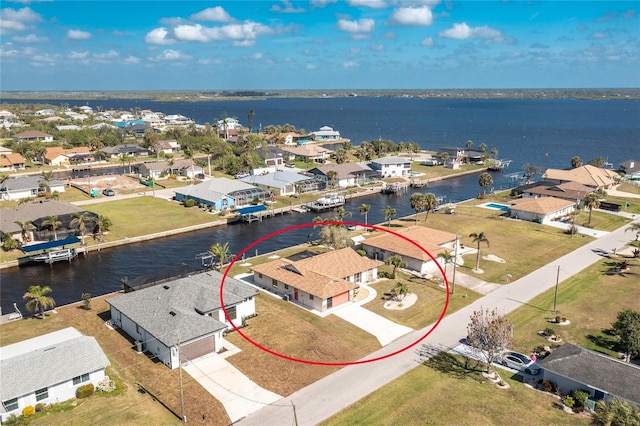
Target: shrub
[(106, 385), (568, 401), (384, 274), (84, 391), (188, 202), (40, 406), (86, 300), (547, 386), (361, 252), (28, 411), (581, 397), (549, 332)]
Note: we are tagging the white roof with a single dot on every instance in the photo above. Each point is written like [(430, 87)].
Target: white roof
[(278, 179), (391, 160)]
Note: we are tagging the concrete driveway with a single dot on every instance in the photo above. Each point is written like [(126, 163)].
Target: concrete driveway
[(384, 330), (237, 393)]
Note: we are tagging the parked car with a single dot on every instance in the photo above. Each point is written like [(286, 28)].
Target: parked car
[(519, 362), (242, 175), (290, 165), (108, 192)]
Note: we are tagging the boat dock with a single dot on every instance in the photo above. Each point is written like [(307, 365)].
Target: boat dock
[(327, 202), (396, 188)]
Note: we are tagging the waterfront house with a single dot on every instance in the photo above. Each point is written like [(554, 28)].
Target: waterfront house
[(571, 368), (159, 169), (347, 174), (27, 186), (326, 133), (318, 282), (279, 182), (120, 150), (222, 193), (309, 152), (180, 320), (12, 162), (542, 209), (274, 157), (32, 135), (58, 156), (631, 169), (48, 369), (571, 191), (588, 175), (391, 166), (434, 241)]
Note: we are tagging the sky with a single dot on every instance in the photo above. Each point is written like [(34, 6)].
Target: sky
[(317, 44)]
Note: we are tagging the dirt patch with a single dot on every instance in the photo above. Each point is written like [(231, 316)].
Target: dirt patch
[(398, 305), (115, 182)]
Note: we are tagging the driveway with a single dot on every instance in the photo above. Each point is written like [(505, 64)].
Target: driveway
[(384, 330), (237, 393)]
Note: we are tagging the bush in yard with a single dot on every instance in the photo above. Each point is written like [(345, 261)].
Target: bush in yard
[(549, 332), (84, 391), (568, 401), (106, 385), (28, 411), (547, 386), (188, 202), (581, 397), (40, 406)]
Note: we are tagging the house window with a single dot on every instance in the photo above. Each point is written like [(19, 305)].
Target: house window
[(81, 379), (286, 286), (311, 296), (137, 328), (231, 312), (357, 277), (260, 275), (274, 282), (10, 404), (42, 394)]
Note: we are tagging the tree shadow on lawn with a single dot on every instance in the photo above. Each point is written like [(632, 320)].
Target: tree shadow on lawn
[(607, 341), (458, 367)]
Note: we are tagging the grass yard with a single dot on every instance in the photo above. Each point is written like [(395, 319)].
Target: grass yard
[(291, 331), (431, 300), (590, 300), (442, 392), (600, 220), (127, 367)]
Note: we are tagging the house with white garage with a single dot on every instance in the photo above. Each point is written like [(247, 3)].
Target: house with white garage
[(48, 369), (223, 193), (181, 320), (318, 282), (571, 367), (631, 169), (33, 135), (391, 166), (541, 209), (411, 247), (27, 186)]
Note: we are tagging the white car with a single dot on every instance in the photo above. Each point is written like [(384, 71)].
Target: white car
[(519, 362)]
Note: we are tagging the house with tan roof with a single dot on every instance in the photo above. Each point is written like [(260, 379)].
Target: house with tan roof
[(412, 249), (12, 161), (33, 135), (570, 191), (588, 175), (541, 209), (168, 146), (309, 152), (58, 156), (318, 282)]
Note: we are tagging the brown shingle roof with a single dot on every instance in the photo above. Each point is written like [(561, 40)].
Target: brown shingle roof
[(430, 239), (32, 134), (542, 205), (7, 160), (587, 175)]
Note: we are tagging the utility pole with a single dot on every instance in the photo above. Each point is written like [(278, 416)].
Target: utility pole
[(555, 296), (295, 416)]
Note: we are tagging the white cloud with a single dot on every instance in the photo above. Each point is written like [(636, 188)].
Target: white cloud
[(212, 14), (79, 55), (463, 31), (257, 56), (158, 36), (361, 26), (428, 42), (377, 47), (170, 55), (78, 35), (419, 16), (244, 34), (244, 43), (374, 4), (310, 66), (12, 20), (131, 60), (287, 8), (350, 64), (4, 52), (191, 32), (31, 38), (322, 3), (108, 55), (598, 35)]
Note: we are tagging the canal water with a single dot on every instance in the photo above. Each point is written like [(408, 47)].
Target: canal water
[(102, 272)]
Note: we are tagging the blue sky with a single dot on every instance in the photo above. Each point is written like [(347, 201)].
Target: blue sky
[(317, 44)]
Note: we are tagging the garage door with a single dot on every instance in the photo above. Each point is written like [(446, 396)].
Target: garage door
[(193, 350), (339, 299)]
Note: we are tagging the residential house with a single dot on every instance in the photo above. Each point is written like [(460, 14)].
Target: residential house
[(318, 282), (222, 193), (631, 169), (309, 152), (391, 166), (167, 146), (63, 127), (12, 162), (183, 319), (347, 174), (58, 156), (27, 186), (571, 191), (159, 169), (120, 150), (411, 247), (326, 133), (542, 209), (280, 182), (274, 157), (588, 175), (46, 111), (293, 138), (571, 367), (48, 369), (32, 135)]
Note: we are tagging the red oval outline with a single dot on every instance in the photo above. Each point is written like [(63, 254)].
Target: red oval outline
[(332, 364)]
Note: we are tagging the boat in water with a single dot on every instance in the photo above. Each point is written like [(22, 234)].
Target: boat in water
[(329, 201), (52, 251), (52, 256), (496, 165)]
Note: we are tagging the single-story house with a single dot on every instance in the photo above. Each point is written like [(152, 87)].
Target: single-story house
[(63, 127), (347, 174), (434, 241), (120, 150), (168, 146), (279, 182), (571, 191), (541, 209), (181, 320), (326, 133), (309, 152), (157, 169), (631, 169), (12, 162), (274, 157), (588, 175), (46, 111), (222, 193), (391, 166), (571, 367), (27, 186), (33, 135), (48, 369), (318, 282), (58, 156)]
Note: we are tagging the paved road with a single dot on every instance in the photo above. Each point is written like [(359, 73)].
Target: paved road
[(337, 391)]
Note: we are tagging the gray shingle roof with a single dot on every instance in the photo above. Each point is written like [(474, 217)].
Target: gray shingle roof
[(190, 299), (214, 189), (276, 180), (29, 182), (34, 211), (50, 365), (593, 369)]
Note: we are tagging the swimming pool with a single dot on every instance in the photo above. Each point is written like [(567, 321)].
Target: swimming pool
[(495, 206)]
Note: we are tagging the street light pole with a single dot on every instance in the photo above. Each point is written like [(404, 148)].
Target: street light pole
[(555, 296)]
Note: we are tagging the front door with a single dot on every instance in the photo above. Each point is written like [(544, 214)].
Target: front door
[(295, 294)]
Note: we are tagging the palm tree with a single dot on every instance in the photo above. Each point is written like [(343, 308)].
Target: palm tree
[(38, 299), (485, 181), (101, 225), (397, 262), (53, 223), (8, 242), (250, 116), (444, 156), (388, 212), (47, 177), (479, 238), (364, 211), (430, 203), (331, 177), (417, 203), (79, 220), (634, 227), (341, 213), (446, 257), (591, 201), (220, 252), (4, 177), (494, 152), (25, 227), (576, 162), (469, 144)]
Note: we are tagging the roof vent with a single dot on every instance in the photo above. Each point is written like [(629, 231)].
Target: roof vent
[(49, 349), (166, 287), (173, 314)]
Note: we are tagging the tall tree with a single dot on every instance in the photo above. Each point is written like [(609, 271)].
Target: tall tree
[(331, 177), (221, 253), (591, 201), (485, 181), (46, 178), (250, 115), (364, 211), (430, 203), (494, 152), (617, 412), (8, 242), (341, 213), (479, 238), (576, 162), (446, 257), (80, 220), (101, 225), (388, 212), (25, 227), (38, 300), (627, 329), (469, 144), (53, 223), (417, 203), (397, 262), (488, 333), (4, 177), (530, 171)]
